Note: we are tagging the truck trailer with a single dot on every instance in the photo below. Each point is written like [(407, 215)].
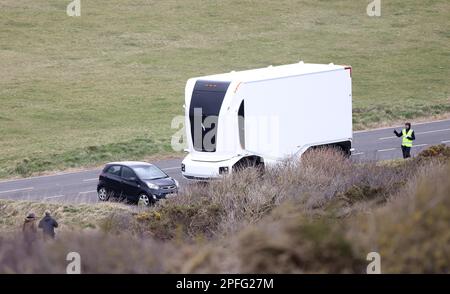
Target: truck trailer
[(264, 116)]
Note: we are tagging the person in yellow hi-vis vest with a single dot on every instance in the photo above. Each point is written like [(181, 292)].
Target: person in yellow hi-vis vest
[(408, 137)]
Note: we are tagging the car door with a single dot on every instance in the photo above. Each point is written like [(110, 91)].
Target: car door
[(130, 183), (113, 181)]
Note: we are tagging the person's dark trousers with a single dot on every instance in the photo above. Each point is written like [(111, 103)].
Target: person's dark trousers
[(406, 151)]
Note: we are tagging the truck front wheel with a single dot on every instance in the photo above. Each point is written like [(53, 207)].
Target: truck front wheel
[(248, 162)]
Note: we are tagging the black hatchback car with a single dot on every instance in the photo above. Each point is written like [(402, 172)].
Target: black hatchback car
[(138, 182)]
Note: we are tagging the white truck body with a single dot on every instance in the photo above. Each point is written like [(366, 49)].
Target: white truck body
[(265, 115)]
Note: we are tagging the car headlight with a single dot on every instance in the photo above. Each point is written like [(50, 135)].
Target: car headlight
[(176, 183), (152, 186)]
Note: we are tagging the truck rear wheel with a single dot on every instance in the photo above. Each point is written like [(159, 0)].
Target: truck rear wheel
[(343, 147)]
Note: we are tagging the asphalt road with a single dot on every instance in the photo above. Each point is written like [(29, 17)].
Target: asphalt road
[(379, 144)]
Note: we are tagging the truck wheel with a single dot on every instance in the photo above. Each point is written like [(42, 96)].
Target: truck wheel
[(103, 194), (249, 162), (344, 151)]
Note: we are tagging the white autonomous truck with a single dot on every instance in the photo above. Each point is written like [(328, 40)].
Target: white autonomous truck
[(263, 116)]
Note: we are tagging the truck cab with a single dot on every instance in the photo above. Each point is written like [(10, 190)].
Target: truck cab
[(214, 125)]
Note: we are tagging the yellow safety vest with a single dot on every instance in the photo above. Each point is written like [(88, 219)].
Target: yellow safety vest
[(405, 141)]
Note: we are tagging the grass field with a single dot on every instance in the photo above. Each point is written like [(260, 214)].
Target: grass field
[(77, 91)]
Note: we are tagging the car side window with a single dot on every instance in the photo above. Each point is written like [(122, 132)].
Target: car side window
[(128, 173), (114, 170)]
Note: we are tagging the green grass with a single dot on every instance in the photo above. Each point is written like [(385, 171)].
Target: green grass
[(71, 88), (133, 150)]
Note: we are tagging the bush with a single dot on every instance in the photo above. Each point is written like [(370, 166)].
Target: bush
[(440, 152), (322, 214), (412, 233), (169, 221), (363, 193), (297, 246)]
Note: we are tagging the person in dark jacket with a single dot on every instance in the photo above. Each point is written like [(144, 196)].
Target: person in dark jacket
[(408, 137), (29, 231), (48, 225)]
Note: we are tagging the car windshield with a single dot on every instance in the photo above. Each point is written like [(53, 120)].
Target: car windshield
[(149, 172)]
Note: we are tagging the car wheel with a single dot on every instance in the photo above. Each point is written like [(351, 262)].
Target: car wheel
[(145, 200), (103, 194)]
